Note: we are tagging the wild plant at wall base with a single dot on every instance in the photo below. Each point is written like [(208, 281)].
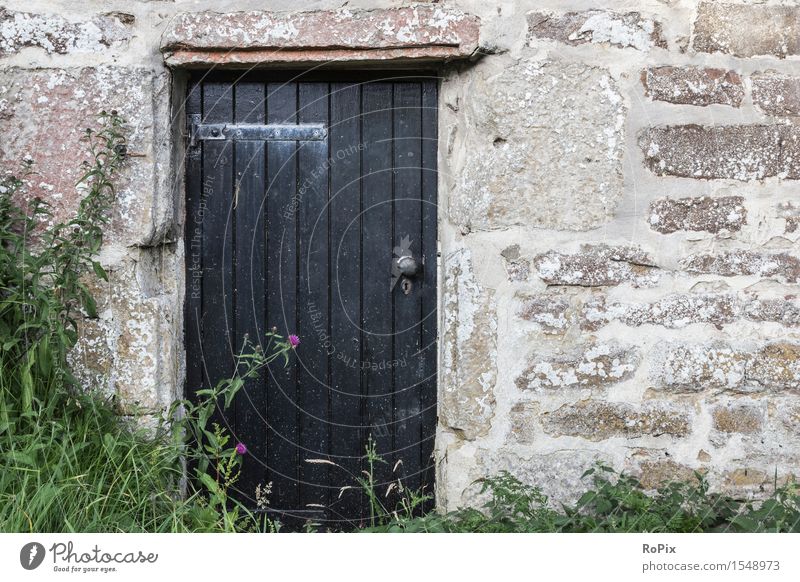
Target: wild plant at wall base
[(214, 460), (67, 461), (41, 276)]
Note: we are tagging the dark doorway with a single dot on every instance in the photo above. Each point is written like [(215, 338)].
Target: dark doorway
[(311, 207)]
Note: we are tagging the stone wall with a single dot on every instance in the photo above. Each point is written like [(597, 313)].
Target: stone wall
[(618, 187), (618, 226)]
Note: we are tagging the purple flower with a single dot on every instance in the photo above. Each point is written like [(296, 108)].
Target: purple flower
[(241, 449), (294, 341)]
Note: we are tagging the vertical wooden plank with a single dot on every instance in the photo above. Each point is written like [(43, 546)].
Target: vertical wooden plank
[(428, 285), (193, 233), (377, 243), (311, 208), (345, 316), (250, 277), (217, 310), (282, 412), (407, 307)]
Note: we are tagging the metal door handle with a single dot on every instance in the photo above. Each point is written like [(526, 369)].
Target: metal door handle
[(407, 266)]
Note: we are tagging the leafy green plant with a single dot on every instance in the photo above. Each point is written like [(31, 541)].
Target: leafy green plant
[(41, 278), (614, 502), (215, 461), (67, 462)]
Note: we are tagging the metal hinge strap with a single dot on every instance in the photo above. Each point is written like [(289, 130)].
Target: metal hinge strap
[(253, 131)]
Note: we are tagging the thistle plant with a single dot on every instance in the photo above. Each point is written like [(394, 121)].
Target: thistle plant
[(214, 461)]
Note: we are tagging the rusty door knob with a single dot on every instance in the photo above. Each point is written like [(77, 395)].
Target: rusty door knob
[(408, 266)]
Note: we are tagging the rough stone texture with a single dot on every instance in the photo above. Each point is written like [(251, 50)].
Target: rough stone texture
[(410, 33), (776, 366), (791, 214), (549, 311), (598, 421), (469, 367), (747, 30), (574, 115), (692, 368), (738, 152), (746, 478), (693, 85), (630, 29), (719, 366), (557, 473), (668, 215), (679, 310), (37, 105), (781, 266), (776, 94), (737, 419), (129, 350), (653, 474), (674, 311), (524, 422), (597, 266), (784, 310), (56, 34), (517, 267), (592, 366)]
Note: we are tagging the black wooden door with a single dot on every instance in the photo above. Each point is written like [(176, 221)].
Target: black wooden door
[(302, 194)]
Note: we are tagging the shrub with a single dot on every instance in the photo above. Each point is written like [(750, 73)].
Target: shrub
[(614, 502)]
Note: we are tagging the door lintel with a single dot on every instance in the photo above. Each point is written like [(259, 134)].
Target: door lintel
[(423, 33)]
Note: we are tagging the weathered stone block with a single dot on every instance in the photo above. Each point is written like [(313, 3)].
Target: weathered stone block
[(781, 266), (537, 127), (653, 474), (597, 266), (469, 367), (598, 421), (692, 368), (776, 94), (739, 418), (681, 309), (557, 474), (592, 366), (737, 152), (45, 114), (673, 311), (629, 29), (747, 478), (130, 350), (747, 30), (668, 215), (524, 421), (791, 214), (55, 34), (550, 311), (785, 311), (718, 366), (419, 32), (693, 85), (776, 366), (517, 267)]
